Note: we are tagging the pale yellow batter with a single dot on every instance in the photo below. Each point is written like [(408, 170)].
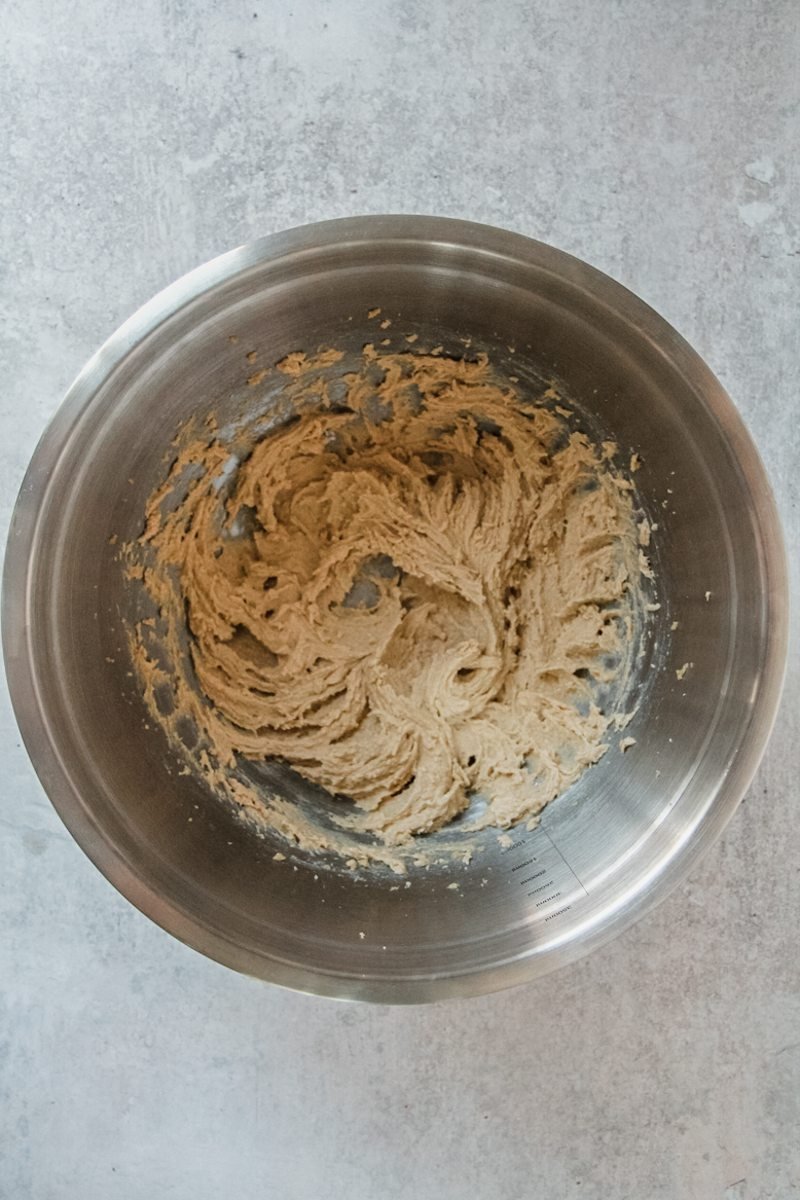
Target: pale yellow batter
[(411, 593)]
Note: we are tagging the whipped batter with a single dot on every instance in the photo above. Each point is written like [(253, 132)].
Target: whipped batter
[(411, 592)]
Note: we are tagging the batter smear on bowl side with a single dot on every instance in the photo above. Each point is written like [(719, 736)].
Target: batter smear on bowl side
[(413, 590)]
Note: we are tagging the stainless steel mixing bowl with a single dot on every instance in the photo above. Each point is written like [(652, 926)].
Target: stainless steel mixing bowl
[(606, 851)]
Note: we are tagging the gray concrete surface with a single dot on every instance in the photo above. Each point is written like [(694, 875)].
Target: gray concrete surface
[(660, 141)]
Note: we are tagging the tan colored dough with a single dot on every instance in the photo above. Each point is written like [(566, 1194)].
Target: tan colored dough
[(410, 594)]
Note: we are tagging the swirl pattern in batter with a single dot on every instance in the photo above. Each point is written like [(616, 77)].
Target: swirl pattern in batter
[(411, 592)]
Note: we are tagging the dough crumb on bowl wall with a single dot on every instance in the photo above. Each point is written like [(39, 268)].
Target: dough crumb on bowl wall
[(418, 582)]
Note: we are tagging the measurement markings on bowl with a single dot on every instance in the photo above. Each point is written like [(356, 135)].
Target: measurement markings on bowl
[(538, 866)]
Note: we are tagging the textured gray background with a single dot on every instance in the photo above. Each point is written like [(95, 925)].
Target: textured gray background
[(660, 141)]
